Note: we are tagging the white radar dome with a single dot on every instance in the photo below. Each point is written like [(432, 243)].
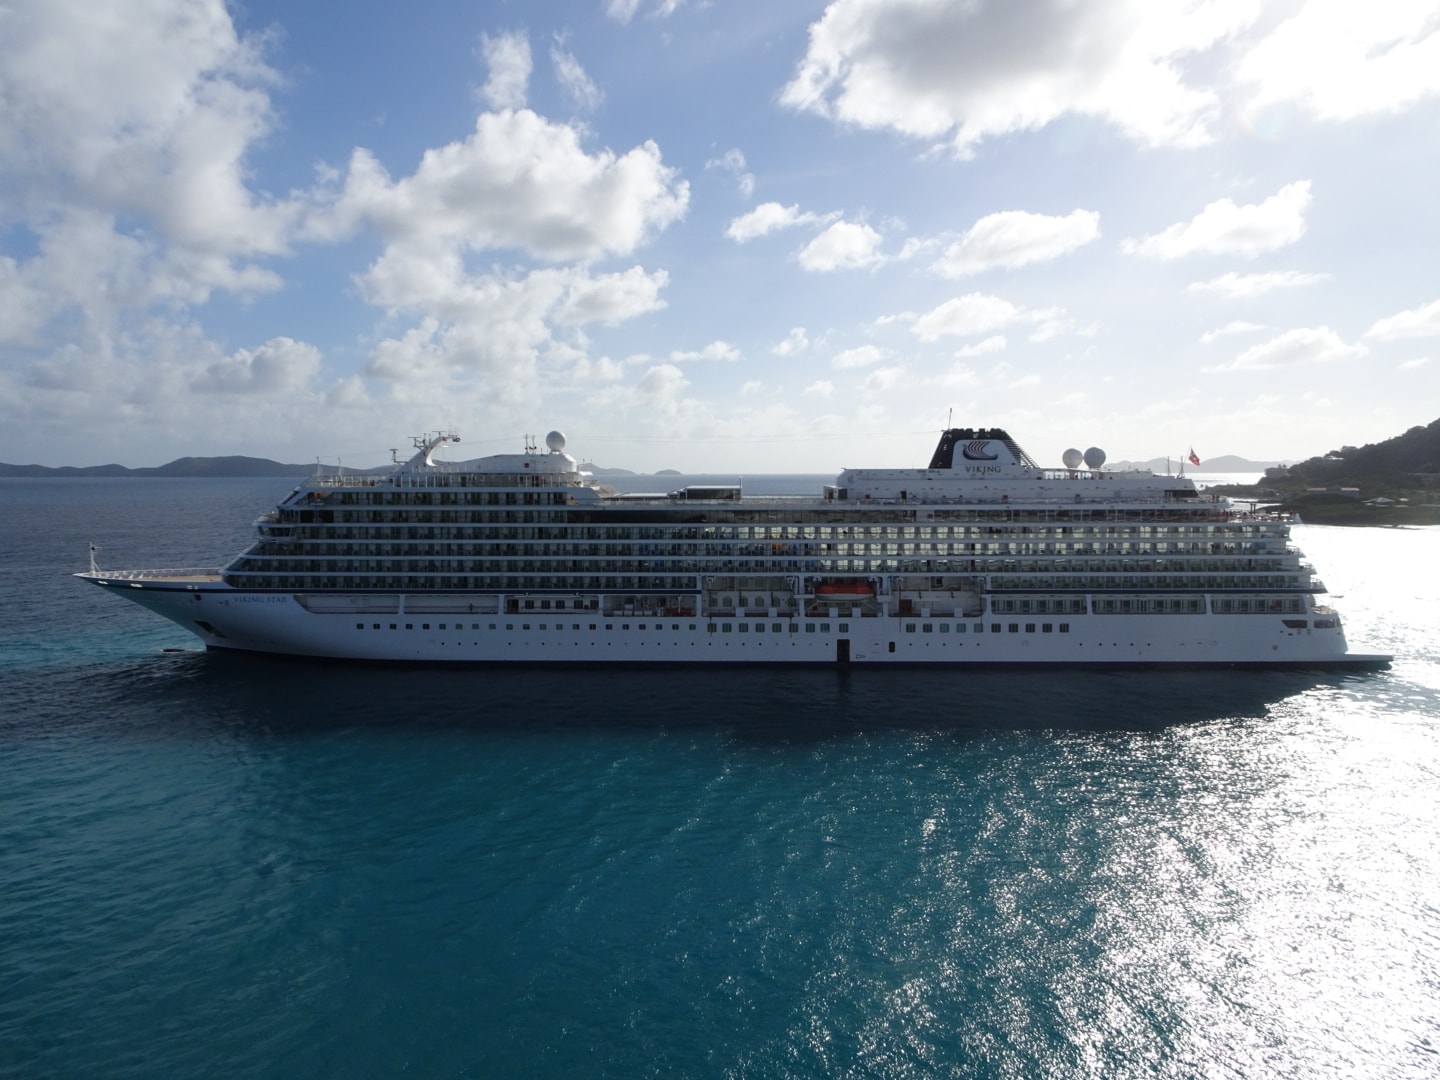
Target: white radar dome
[(555, 441), (1094, 457), (1072, 458)]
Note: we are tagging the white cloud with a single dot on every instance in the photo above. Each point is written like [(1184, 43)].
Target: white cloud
[(881, 379), (498, 326), (279, 366), (733, 162), (661, 387), (1233, 286), (599, 369), (1223, 228), (967, 71), (622, 11), (612, 298), (843, 246), (716, 350), (991, 345), (1340, 59), (110, 115), (1013, 238), (519, 182), (965, 316), (1423, 321), (822, 388), (1050, 323), (796, 341), (765, 219), (578, 86), (1230, 330), (863, 356), (1296, 348), (508, 58)]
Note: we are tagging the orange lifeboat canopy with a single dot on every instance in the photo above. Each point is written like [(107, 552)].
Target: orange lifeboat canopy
[(845, 590)]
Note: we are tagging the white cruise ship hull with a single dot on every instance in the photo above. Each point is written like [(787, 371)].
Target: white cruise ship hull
[(281, 624)]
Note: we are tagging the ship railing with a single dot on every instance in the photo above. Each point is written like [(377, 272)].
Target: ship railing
[(340, 480), (188, 573)]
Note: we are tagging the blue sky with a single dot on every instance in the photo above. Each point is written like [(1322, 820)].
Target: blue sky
[(741, 236)]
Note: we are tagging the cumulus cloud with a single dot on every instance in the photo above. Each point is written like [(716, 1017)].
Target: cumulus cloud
[(611, 298), (1340, 60), (1014, 238), (107, 116), (993, 344), (492, 324), (1423, 321), (767, 218), (1296, 348), (843, 246), (1233, 286), (716, 350), (966, 71), (280, 365), (821, 388), (661, 386), (1223, 228), (126, 133), (881, 379), (966, 316), (796, 341), (507, 56), (863, 356), (520, 182)]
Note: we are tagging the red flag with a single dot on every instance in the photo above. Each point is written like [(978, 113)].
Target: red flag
[(1193, 459)]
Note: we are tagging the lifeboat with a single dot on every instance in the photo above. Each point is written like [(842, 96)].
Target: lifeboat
[(845, 590)]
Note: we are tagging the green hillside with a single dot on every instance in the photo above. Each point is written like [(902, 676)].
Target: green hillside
[(1395, 482)]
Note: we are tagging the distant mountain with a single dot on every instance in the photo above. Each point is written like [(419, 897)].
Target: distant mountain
[(180, 467), (217, 466), (1225, 463)]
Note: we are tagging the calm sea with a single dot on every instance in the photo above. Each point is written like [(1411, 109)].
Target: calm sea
[(229, 867)]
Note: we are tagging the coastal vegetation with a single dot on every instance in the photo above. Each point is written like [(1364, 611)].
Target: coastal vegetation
[(1394, 482)]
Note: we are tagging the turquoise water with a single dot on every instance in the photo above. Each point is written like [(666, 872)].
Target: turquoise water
[(227, 866)]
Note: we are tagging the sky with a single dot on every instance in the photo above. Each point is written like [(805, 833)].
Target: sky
[(775, 236)]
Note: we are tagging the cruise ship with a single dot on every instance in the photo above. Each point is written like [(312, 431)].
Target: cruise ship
[(983, 557)]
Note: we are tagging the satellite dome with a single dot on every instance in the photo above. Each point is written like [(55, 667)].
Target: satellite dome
[(555, 441), (1072, 458), (1094, 457)]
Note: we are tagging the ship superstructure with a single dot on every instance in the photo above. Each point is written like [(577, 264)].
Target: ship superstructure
[(982, 557)]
